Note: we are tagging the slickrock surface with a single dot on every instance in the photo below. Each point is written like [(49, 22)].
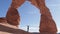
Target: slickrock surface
[(10, 29), (3, 20)]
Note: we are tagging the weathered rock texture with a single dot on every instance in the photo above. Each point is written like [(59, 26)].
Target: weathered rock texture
[(17, 3), (47, 24), (3, 20), (13, 17), (10, 29)]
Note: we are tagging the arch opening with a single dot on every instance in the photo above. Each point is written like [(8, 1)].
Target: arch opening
[(29, 17)]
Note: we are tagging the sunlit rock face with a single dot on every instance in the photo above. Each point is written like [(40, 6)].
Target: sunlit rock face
[(10, 29), (17, 3), (3, 20), (12, 20), (47, 24), (12, 16)]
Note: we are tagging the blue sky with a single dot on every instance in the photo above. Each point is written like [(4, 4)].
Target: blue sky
[(30, 14)]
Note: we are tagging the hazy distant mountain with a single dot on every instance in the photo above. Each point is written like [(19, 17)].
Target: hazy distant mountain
[(58, 33)]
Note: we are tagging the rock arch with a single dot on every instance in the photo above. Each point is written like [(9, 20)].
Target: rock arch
[(47, 24)]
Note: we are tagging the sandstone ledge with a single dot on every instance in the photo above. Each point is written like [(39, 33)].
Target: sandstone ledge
[(11, 30)]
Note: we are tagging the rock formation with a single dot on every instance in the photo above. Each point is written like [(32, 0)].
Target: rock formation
[(3, 20), (47, 24), (10, 29), (17, 3), (13, 17)]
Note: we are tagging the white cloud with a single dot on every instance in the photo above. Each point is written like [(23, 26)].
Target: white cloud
[(31, 12), (34, 29), (31, 29), (23, 28), (36, 11), (53, 4), (58, 30)]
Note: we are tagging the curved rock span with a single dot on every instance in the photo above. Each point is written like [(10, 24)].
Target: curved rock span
[(47, 24)]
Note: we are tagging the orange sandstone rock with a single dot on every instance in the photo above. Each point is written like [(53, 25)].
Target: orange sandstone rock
[(47, 24), (17, 3), (10, 29), (3, 20), (12, 16)]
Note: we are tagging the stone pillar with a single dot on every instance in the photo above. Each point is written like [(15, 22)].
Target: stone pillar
[(12, 15), (47, 24)]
